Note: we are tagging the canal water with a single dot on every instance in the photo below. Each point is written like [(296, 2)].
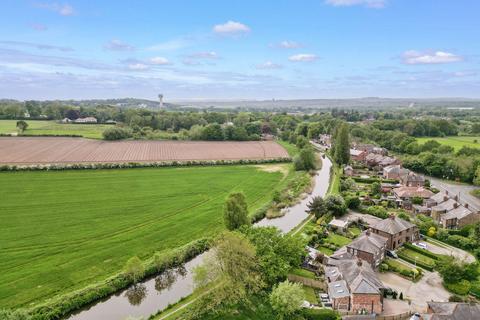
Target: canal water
[(157, 293)]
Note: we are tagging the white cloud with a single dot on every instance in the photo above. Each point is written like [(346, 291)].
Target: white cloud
[(170, 45), (138, 66), (268, 65), (231, 28), (367, 3), (204, 55), (62, 9), (303, 57), (160, 61), (437, 57), (288, 44), (118, 45)]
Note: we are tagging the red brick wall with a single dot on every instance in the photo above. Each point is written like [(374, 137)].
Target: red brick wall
[(370, 302), (342, 303)]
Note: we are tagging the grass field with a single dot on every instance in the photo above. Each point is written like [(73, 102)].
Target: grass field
[(38, 127), (66, 229), (456, 142)]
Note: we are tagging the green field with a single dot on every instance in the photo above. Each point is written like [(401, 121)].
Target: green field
[(39, 127), (456, 142), (63, 230)]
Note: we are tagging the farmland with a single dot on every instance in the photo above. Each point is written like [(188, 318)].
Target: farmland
[(40, 127), (32, 150), (63, 230), (456, 142)]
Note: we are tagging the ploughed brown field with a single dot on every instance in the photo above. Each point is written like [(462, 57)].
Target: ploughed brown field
[(44, 150)]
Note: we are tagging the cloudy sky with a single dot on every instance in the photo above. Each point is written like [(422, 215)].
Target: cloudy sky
[(249, 49)]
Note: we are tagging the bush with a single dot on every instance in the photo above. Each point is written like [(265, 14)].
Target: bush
[(377, 211), (383, 267), (117, 133), (461, 288)]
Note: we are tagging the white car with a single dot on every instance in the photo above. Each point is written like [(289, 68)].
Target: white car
[(422, 245)]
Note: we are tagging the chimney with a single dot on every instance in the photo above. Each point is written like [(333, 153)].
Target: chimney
[(446, 192), (455, 198), (445, 198), (392, 216), (455, 205), (466, 205), (368, 232), (359, 262)]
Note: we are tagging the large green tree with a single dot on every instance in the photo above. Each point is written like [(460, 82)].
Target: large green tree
[(286, 299), (235, 212), (342, 145), (317, 207)]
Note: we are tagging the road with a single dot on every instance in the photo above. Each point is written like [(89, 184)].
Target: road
[(463, 190)]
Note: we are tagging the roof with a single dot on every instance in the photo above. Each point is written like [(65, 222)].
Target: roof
[(395, 168), (445, 205), (338, 289), (410, 192), (454, 311), (360, 277), (368, 242), (459, 213), (392, 225), (338, 223), (439, 197), (355, 152), (412, 176)]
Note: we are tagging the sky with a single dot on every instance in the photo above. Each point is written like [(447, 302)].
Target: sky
[(248, 49)]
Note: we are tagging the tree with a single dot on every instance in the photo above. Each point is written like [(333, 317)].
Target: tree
[(233, 264), (342, 145), (317, 207), (335, 205), (287, 298), (212, 131), (235, 213), (134, 269), (116, 133), (305, 160), (22, 125), (376, 188)]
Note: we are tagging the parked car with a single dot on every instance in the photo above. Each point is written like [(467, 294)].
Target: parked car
[(422, 245), (392, 254)]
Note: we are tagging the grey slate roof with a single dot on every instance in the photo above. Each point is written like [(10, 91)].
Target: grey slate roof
[(392, 225), (372, 243), (338, 289), (454, 311), (445, 206), (360, 278), (459, 213), (439, 197)]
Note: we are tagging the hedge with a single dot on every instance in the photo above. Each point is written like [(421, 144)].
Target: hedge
[(372, 180), (412, 261), (421, 250), (320, 314), (61, 306), (162, 164)]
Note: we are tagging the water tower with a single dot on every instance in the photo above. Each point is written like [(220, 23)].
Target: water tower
[(160, 99)]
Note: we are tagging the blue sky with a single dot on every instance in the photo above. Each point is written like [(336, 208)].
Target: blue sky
[(239, 49)]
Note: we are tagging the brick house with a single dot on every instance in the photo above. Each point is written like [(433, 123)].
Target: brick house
[(394, 172), (357, 155), (408, 193), (368, 247), (411, 179), (353, 286), (397, 231)]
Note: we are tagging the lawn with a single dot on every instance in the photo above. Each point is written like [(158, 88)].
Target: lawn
[(417, 256), (63, 230), (337, 239), (303, 273), (355, 231), (40, 127), (310, 295), (455, 141)]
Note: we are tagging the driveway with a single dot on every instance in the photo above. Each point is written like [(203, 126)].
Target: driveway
[(442, 248), (354, 216), (394, 307), (429, 288), (462, 190)]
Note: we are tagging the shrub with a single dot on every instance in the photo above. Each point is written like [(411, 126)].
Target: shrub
[(116, 133), (377, 211), (383, 267), (320, 314), (461, 288)]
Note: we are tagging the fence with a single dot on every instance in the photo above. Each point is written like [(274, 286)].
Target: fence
[(307, 281), (354, 316)]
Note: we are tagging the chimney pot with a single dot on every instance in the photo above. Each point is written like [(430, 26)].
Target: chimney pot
[(466, 205), (446, 192), (359, 262), (445, 198), (455, 205), (392, 216)]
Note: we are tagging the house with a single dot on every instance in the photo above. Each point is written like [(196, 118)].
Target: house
[(459, 217), (370, 148), (357, 155), (348, 171), (339, 225), (411, 179), (388, 187), (394, 172), (86, 120), (408, 193), (452, 311), (374, 160), (396, 230), (443, 207), (353, 286), (368, 247)]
